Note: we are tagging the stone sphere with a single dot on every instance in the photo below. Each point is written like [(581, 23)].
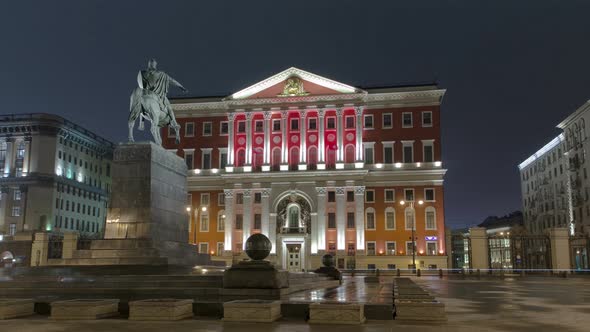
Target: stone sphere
[(328, 260), (258, 247)]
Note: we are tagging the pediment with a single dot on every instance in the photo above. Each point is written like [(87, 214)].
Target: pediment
[(293, 82)]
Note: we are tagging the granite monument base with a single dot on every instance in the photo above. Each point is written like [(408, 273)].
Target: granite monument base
[(160, 309), (13, 308), (258, 311), (255, 274), (84, 309), (336, 313)]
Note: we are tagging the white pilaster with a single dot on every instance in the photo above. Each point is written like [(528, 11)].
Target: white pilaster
[(321, 218), (265, 202), (27, 158), (247, 226), (285, 154), (340, 218), (339, 138), (302, 141), (314, 231), (359, 216), (272, 235), (321, 148), (9, 159), (267, 117), (359, 134), (229, 220), (249, 139), (230, 143)]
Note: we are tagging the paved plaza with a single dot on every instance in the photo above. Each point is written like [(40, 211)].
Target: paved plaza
[(513, 304)]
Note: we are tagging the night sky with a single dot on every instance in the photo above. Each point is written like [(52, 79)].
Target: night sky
[(512, 69)]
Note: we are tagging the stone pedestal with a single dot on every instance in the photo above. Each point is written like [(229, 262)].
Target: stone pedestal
[(560, 249), (160, 309), (255, 274), (336, 313), (84, 309), (13, 308), (258, 311), (329, 271), (479, 248), (419, 310)]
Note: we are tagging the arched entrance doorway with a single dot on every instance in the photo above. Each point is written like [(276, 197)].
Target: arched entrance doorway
[(293, 228)]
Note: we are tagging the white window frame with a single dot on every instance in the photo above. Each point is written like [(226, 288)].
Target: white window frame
[(425, 143), (413, 195), (367, 211), (392, 210), (221, 133), (353, 121), (171, 132), (433, 195), (221, 199), (370, 145), (201, 244), (220, 252), (385, 195), (365, 116), (204, 226), (273, 121), (186, 124), (192, 153), (406, 210), (414, 247), (309, 122), (17, 195), (435, 248), (291, 124), (411, 120), (429, 209), (205, 151), (389, 144), (431, 119), (366, 191), (327, 121), (221, 152), (404, 145), (210, 128), (16, 212), (374, 246), (221, 220), (207, 199), (387, 250), (238, 126), (383, 126)]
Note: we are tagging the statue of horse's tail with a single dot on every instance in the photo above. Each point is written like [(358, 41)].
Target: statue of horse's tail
[(135, 107)]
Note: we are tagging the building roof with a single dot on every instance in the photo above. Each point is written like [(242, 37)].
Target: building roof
[(510, 220), (554, 142)]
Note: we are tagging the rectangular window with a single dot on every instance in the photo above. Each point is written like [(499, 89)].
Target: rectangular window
[(409, 195), (205, 199), (371, 248), (189, 129), (239, 198), (331, 247), (389, 195), (389, 220), (312, 124), (257, 198), (331, 196), (259, 126), (220, 249), (430, 219), (350, 196), (221, 199), (206, 161), (349, 122), (408, 153), (370, 220), (294, 124), (276, 125), (426, 119), (207, 128), (387, 121), (390, 247), (221, 222), (222, 159), (331, 220), (369, 154), (257, 221), (407, 120), (189, 159), (350, 220), (428, 153), (16, 211), (239, 221), (331, 122), (223, 128), (431, 249), (429, 195), (368, 121), (241, 126), (17, 195), (204, 222), (370, 196), (171, 133), (388, 154), (391, 266), (12, 229), (410, 247), (203, 248)]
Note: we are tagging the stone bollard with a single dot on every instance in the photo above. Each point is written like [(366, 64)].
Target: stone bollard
[(418, 273), (398, 272), (440, 273)]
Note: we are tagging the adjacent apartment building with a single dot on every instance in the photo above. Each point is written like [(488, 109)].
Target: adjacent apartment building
[(319, 167), (54, 175)]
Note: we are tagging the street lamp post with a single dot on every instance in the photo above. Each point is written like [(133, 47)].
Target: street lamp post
[(411, 204)]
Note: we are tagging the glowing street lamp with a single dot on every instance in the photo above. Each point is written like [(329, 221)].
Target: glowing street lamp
[(411, 204)]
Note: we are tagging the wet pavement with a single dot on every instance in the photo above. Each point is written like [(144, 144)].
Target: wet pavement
[(353, 290), (529, 304)]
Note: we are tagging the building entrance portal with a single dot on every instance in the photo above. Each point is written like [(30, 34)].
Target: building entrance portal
[(293, 258)]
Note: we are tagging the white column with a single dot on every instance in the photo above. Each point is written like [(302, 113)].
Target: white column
[(340, 218), (249, 139), (27, 159), (285, 154), (265, 211), (302, 141), (229, 221), (321, 233), (247, 226), (339, 138), (10, 143), (314, 231), (230, 143), (359, 136), (266, 162), (272, 235), (321, 148), (359, 216)]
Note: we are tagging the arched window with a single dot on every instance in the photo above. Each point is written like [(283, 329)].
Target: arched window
[(389, 218), (276, 159), (241, 158), (430, 217), (349, 154), (257, 159), (294, 158), (312, 157), (410, 218), (293, 216), (370, 222), (221, 221), (330, 158)]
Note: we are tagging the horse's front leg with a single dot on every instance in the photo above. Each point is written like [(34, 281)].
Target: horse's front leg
[(131, 124), (156, 134)]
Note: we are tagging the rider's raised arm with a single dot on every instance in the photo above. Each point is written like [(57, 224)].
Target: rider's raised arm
[(175, 82)]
